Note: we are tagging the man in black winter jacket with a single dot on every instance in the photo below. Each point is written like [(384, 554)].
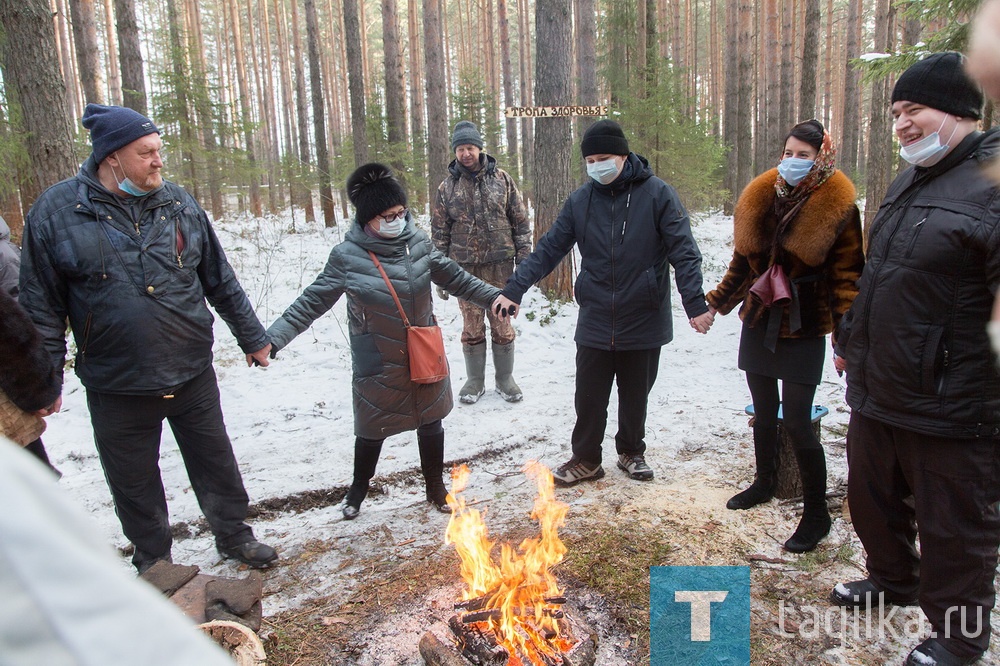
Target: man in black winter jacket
[(630, 228), (130, 260), (924, 438)]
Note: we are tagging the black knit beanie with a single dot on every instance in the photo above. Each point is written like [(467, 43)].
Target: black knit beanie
[(466, 133), (114, 127), (605, 137), (373, 188), (940, 82)]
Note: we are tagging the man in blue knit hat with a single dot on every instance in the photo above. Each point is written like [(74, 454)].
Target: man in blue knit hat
[(129, 259)]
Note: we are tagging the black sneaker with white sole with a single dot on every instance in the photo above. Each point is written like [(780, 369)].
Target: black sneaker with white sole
[(635, 466), (576, 470)]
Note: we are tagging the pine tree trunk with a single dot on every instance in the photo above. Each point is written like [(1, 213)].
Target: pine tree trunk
[(437, 98), (715, 67), (319, 115), (810, 61), (111, 42), (732, 110), (246, 116), (32, 81), (851, 131), (395, 95), (787, 69), (774, 132), (178, 57), (417, 85), (356, 81), (87, 53), (880, 160), (133, 79), (269, 110), (744, 131), (300, 187), (508, 89), (553, 184), (527, 124), (586, 59), (202, 105), (64, 41), (290, 129)]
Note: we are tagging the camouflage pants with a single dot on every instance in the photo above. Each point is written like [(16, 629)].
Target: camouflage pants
[(474, 326)]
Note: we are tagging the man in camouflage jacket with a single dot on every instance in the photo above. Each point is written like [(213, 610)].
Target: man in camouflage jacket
[(480, 221)]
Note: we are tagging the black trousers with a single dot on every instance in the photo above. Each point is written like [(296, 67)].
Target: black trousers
[(127, 431), (903, 483), (596, 371)]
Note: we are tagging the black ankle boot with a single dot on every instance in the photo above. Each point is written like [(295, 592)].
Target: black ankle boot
[(760, 491), (815, 523), (366, 455), (431, 449)]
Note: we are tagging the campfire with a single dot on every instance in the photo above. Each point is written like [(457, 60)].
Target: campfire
[(512, 611)]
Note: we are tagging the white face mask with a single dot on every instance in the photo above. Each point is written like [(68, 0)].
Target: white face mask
[(604, 172), (391, 229), (929, 150)]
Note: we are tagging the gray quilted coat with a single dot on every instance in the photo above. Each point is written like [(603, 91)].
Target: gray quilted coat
[(386, 402)]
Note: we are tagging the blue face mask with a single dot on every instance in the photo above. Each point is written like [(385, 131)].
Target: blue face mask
[(604, 172), (130, 188), (794, 169)]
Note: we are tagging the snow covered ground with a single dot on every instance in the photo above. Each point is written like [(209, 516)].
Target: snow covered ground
[(291, 426)]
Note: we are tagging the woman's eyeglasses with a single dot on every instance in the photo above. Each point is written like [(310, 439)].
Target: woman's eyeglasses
[(389, 219)]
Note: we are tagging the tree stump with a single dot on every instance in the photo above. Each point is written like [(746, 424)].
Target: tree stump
[(789, 482)]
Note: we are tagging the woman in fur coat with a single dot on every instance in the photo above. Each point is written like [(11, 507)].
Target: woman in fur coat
[(801, 217)]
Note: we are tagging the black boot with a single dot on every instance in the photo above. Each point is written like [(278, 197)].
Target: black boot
[(765, 448), (432, 465), (37, 449), (815, 523), (365, 459)]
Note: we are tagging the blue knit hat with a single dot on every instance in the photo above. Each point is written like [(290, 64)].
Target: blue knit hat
[(113, 127)]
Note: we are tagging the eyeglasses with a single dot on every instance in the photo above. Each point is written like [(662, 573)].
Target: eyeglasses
[(389, 219)]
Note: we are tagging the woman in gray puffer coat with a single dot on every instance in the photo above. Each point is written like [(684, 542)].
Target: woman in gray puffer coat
[(386, 402)]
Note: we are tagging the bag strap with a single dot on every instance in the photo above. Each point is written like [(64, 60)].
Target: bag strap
[(406, 322)]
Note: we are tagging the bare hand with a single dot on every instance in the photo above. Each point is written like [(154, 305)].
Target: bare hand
[(51, 409), (703, 322), (840, 363), (442, 294), (504, 307), (259, 357)]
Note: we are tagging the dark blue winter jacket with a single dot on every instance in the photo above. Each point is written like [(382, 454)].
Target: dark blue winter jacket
[(629, 233), (132, 276)]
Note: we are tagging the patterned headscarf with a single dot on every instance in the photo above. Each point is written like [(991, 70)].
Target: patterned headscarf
[(822, 169)]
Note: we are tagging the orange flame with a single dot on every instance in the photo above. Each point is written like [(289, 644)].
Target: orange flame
[(521, 580)]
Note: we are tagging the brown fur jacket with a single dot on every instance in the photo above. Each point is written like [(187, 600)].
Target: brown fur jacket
[(821, 251)]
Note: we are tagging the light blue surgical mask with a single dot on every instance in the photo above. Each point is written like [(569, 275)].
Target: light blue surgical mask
[(391, 229), (794, 169), (130, 188), (929, 150), (604, 172)]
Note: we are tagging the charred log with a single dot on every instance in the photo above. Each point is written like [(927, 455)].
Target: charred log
[(478, 646), (436, 653)]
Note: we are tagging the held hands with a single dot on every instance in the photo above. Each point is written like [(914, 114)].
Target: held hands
[(51, 409), (703, 322), (259, 357), (504, 307), (840, 363), (442, 294)]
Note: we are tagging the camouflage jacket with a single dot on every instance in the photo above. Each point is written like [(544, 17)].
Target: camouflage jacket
[(479, 218)]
